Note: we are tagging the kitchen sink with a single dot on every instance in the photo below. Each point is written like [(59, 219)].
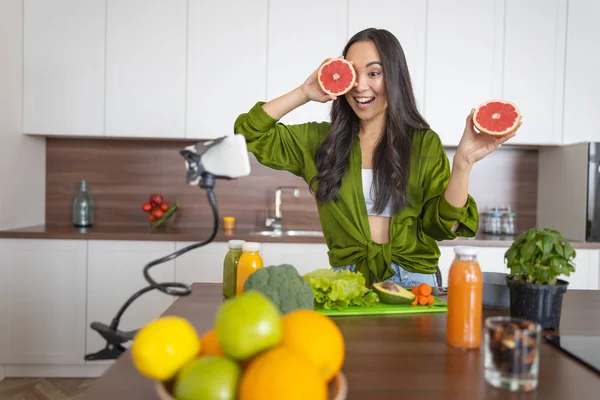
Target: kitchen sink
[(303, 233), (292, 232)]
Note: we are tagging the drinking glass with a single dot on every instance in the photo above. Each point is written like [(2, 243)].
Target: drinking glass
[(511, 349)]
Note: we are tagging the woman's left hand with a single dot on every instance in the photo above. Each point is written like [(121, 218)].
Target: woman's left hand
[(475, 146)]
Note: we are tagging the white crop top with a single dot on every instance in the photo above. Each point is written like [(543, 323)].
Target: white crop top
[(367, 182)]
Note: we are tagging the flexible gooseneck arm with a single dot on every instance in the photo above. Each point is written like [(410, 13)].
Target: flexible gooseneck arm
[(113, 336)]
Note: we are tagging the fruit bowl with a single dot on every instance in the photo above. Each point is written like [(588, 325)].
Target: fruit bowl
[(338, 388), (183, 363)]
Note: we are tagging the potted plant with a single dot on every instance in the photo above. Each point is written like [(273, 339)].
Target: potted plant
[(536, 259)]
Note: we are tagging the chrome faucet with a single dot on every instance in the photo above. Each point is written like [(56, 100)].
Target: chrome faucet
[(275, 223)]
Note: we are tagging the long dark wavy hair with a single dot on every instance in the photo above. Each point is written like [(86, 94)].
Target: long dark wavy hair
[(391, 157)]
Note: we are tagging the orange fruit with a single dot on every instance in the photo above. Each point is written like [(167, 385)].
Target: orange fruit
[(210, 344), (316, 337), (281, 373)]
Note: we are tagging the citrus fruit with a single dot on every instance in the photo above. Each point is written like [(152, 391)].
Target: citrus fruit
[(496, 117), (281, 373), (248, 324), (208, 377), (209, 344), (336, 76), (163, 346), (316, 337)]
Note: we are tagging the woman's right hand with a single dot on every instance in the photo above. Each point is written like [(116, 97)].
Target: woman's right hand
[(312, 89)]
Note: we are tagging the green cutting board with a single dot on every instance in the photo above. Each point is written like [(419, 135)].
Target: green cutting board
[(439, 306)]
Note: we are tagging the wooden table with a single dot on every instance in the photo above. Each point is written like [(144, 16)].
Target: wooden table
[(400, 356)]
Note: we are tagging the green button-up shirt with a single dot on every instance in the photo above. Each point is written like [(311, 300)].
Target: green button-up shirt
[(414, 230)]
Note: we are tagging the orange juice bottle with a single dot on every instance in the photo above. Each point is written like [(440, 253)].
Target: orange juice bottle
[(465, 291), (249, 261)]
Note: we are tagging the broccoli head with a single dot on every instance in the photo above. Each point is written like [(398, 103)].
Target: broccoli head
[(283, 285)]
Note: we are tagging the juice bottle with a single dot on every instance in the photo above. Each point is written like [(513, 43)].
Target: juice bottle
[(250, 261), (230, 267), (465, 290)]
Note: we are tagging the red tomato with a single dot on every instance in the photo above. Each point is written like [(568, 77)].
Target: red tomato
[(147, 207), (158, 213), (164, 206), (151, 217), (156, 199)]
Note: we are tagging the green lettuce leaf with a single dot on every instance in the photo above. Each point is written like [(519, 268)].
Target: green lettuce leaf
[(339, 289)]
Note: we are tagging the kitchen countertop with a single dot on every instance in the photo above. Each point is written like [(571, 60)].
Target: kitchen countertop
[(398, 356), (198, 234)]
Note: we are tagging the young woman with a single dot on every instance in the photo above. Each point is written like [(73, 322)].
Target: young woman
[(384, 188)]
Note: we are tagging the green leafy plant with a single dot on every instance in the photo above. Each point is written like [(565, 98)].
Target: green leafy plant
[(540, 256)]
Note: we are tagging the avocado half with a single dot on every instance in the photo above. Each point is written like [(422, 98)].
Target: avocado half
[(391, 293)]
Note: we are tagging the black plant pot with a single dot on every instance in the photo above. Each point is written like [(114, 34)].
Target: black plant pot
[(538, 303)]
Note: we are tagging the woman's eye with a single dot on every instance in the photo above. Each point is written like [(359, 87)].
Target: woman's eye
[(374, 73)]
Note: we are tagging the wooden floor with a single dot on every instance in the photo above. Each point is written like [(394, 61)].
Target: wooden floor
[(43, 388)]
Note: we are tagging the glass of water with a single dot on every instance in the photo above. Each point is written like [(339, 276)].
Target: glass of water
[(512, 353)]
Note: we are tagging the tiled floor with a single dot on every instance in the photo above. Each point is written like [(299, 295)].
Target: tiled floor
[(43, 388)]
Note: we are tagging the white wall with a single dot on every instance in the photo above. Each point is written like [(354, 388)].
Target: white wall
[(22, 158)]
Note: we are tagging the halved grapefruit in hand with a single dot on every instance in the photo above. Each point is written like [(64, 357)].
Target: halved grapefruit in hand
[(336, 77), (496, 117)]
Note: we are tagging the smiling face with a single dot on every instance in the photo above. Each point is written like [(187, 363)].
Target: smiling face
[(368, 99)]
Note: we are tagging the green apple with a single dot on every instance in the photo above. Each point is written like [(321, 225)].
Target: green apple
[(208, 377), (247, 325)]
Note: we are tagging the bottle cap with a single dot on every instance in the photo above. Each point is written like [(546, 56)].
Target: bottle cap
[(251, 247), (228, 219), (465, 250), (236, 244)]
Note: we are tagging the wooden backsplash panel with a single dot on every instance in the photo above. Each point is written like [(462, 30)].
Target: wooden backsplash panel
[(122, 173)]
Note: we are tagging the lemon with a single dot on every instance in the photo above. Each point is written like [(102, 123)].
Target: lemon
[(164, 346)]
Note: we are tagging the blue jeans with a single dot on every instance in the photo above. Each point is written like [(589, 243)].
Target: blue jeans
[(402, 276)]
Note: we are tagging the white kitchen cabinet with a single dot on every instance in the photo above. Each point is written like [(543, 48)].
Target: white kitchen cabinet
[(306, 257), (226, 63), (586, 270), (115, 272), (43, 294), (146, 68), (534, 51), (297, 45), (63, 67), (3, 308), (464, 61), (406, 19), (582, 80), (202, 264)]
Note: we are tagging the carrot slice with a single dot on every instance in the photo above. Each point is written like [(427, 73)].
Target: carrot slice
[(415, 302), (430, 299), (422, 300), (424, 289), (415, 289)]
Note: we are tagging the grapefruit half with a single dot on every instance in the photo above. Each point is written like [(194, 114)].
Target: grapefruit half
[(336, 77), (496, 117)]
